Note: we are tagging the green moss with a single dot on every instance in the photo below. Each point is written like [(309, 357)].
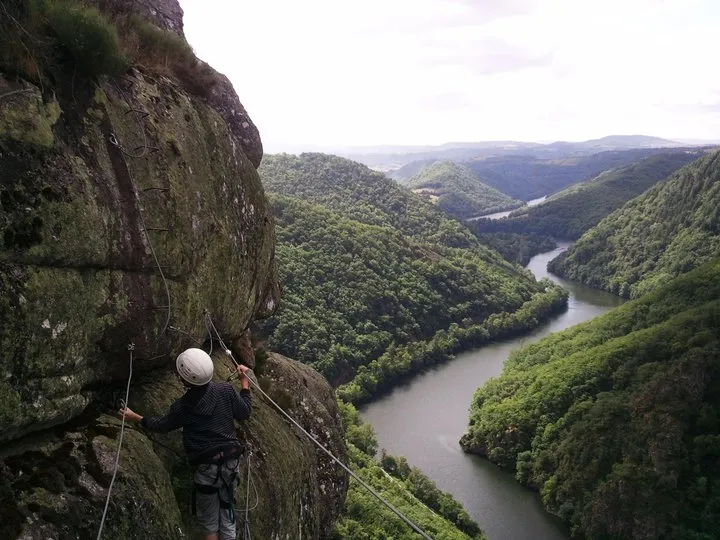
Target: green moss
[(10, 404), (26, 118)]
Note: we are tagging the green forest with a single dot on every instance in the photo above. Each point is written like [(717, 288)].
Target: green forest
[(668, 230), (572, 211), (358, 298), (405, 487), (617, 421), (458, 191), (367, 304), (363, 195)]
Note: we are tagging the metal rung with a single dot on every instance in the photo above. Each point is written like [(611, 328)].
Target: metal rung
[(145, 114)]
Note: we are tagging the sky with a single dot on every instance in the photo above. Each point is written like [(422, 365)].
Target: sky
[(318, 74)]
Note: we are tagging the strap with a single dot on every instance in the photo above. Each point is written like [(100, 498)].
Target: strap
[(205, 490)]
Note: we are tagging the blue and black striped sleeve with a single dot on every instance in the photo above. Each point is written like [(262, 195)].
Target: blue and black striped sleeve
[(174, 419), (241, 403)]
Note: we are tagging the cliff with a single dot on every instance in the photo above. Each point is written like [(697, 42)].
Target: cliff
[(131, 204)]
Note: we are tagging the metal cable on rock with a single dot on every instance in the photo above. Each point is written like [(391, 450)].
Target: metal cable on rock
[(131, 348), (397, 512), (114, 141)]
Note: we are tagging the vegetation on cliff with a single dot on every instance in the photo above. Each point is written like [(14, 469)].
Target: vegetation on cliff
[(617, 421), (44, 40), (574, 210), (405, 487), (371, 296), (670, 229), (458, 191)]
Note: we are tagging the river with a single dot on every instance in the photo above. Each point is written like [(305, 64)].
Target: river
[(499, 215), (424, 419)]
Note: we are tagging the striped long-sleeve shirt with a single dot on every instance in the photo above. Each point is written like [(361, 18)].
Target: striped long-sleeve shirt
[(206, 414)]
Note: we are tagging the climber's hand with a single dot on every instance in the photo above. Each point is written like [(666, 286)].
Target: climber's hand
[(242, 370), (129, 414)]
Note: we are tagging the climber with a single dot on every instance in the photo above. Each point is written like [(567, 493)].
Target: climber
[(206, 412)]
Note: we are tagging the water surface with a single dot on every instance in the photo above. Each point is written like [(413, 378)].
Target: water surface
[(498, 215)]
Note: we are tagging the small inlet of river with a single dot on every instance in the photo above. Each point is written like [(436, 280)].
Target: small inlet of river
[(424, 419)]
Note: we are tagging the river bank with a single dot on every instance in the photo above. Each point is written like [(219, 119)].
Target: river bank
[(424, 418)]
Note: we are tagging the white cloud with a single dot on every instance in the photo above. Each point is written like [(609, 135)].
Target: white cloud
[(429, 71)]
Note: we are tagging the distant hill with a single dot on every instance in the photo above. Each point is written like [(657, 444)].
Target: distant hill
[(615, 142), (390, 158), (527, 178), (572, 211), (459, 191), (669, 229)]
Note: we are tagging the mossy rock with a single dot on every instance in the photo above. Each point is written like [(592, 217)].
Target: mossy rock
[(78, 224), (54, 486)]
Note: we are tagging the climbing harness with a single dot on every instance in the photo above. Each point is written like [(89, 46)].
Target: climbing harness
[(226, 466), (397, 512)]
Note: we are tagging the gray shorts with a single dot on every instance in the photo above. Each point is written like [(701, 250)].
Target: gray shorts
[(213, 512)]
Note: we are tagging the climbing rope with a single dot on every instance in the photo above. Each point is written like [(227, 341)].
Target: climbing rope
[(397, 512), (131, 348), (247, 501), (114, 141)]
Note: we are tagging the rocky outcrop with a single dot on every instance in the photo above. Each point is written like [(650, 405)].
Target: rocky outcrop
[(128, 209), (220, 94)]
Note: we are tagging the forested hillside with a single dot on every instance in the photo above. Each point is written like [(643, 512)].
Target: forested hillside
[(527, 177), (617, 421), (405, 487), (574, 210), (670, 229), (370, 295), (458, 191), (361, 194)]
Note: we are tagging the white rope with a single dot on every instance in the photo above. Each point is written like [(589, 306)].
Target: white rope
[(247, 501), (131, 348), (397, 512), (114, 141)]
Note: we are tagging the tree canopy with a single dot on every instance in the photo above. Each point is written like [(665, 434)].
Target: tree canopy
[(617, 421), (458, 191), (670, 229)]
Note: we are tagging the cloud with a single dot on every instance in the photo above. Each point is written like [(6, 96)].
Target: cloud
[(429, 71), (492, 56)]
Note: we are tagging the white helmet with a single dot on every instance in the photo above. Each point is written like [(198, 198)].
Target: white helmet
[(195, 366)]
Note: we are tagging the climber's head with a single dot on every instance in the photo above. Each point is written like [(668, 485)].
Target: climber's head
[(195, 367)]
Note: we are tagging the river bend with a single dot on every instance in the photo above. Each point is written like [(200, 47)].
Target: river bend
[(424, 419)]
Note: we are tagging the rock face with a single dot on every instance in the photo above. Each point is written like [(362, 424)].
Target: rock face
[(103, 185), (54, 485), (167, 14), (87, 187)]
